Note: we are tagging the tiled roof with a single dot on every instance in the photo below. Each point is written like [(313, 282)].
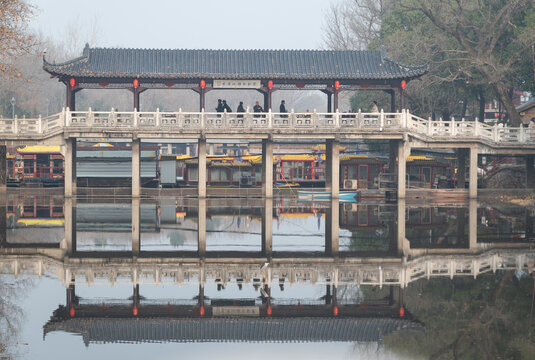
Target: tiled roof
[(235, 64), (104, 330)]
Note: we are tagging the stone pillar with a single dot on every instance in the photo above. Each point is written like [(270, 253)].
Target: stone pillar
[(211, 149), (136, 168), (392, 156), (202, 168), (461, 168), (136, 226), (530, 172), (472, 192), (332, 227), (70, 167), (402, 169), (267, 168), (332, 167), (3, 168), (472, 229), (201, 230), (3, 223), (403, 247), (69, 212), (267, 228)]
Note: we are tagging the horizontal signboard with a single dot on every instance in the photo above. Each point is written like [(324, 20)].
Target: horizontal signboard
[(235, 311), (237, 84)]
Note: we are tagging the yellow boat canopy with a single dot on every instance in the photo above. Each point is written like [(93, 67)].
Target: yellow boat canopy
[(40, 149)]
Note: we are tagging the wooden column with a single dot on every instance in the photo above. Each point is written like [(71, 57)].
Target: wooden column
[(71, 97), (530, 172), (267, 228), (267, 168), (392, 100), (70, 167), (201, 230), (202, 99), (335, 101), (136, 99), (3, 168), (136, 168), (332, 228), (332, 167), (266, 101), (266, 109), (202, 168), (136, 226), (329, 103), (402, 101)]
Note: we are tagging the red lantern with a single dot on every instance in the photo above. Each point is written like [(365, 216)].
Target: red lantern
[(300, 85), (403, 84), (72, 312), (135, 83), (201, 311), (269, 311), (72, 82), (401, 312), (134, 310), (270, 84), (203, 84), (337, 84), (169, 84), (335, 310)]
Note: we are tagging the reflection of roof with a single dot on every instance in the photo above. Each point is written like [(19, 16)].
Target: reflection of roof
[(231, 329), (40, 149)]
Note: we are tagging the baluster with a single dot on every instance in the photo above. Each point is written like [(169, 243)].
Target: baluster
[(270, 119), (314, 119), (157, 117), (381, 120), (521, 137), (452, 124), (135, 122), (337, 119), (358, 120), (68, 117), (179, 118), (202, 119), (495, 133), (476, 128), (292, 119), (40, 125), (89, 120)]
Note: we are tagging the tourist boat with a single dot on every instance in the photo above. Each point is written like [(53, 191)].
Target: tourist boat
[(325, 195)]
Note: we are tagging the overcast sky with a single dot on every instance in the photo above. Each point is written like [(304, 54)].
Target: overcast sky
[(192, 24)]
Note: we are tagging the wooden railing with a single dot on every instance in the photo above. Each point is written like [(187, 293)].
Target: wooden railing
[(291, 122)]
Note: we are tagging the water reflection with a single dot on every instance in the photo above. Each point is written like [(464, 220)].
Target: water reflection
[(250, 270)]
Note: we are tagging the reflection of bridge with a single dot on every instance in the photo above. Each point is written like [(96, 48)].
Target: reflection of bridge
[(350, 271)]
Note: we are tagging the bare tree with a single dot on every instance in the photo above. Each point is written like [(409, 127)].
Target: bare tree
[(15, 41), (354, 24)]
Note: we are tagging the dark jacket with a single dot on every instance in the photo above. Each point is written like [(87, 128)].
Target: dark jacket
[(282, 108), (258, 108), (240, 108)]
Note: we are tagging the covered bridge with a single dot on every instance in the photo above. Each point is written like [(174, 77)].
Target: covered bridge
[(329, 71)]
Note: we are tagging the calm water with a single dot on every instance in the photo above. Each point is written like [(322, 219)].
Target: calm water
[(170, 278)]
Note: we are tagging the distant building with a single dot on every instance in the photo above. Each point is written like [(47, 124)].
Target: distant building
[(527, 111)]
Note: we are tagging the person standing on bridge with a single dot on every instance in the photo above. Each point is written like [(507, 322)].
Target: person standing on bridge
[(282, 109), (219, 107), (257, 109), (226, 107), (375, 108), (240, 109)]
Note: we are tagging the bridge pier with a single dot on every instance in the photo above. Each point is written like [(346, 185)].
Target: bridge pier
[(401, 168), (136, 226), (70, 167), (332, 228), (472, 190), (332, 167), (136, 168), (69, 213), (3, 168), (201, 230), (461, 168), (472, 229), (202, 168), (267, 168), (267, 228)]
